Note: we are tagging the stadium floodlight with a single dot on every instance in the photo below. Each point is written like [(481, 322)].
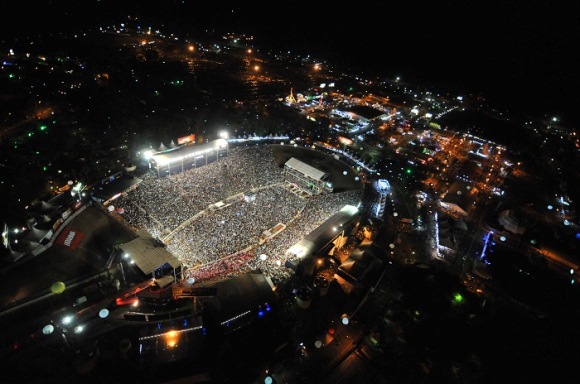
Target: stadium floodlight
[(147, 154)]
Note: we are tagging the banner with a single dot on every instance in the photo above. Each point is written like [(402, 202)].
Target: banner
[(70, 238)]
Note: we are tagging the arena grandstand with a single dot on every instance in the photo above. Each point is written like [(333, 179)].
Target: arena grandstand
[(187, 156), (331, 231), (214, 218)]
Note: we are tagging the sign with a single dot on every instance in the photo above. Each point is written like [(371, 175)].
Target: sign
[(186, 139), (70, 238), (57, 224), (66, 214)]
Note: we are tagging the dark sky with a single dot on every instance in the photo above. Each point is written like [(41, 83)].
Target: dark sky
[(520, 56)]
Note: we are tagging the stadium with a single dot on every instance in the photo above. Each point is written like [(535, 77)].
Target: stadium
[(241, 212)]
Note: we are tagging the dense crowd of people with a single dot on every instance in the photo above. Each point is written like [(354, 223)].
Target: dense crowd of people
[(223, 239)]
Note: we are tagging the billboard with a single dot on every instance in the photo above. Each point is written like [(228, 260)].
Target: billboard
[(186, 139)]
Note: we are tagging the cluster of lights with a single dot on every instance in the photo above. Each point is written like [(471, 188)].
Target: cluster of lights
[(235, 318), (171, 333)]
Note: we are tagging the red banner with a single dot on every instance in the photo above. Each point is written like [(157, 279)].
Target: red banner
[(70, 238)]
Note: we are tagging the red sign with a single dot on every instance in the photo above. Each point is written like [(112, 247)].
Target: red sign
[(70, 238), (186, 139)]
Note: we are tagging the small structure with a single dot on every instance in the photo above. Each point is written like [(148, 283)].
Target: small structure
[(509, 220), (304, 176)]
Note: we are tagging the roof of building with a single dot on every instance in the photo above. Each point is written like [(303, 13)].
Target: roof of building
[(368, 113), (239, 294), (187, 151), (108, 190), (362, 265), (148, 253), (306, 169)]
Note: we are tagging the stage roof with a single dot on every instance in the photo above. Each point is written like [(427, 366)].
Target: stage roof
[(306, 169), (148, 254)]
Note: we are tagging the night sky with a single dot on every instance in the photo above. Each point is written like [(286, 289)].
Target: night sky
[(521, 56)]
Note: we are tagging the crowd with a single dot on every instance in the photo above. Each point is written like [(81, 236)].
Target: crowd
[(222, 240)]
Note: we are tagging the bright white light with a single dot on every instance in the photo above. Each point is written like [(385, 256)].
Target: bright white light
[(503, 238), (48, 329), (79, 329), (223, 134), (103, 313), (263, 257), (67, 320), (147, 154)]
